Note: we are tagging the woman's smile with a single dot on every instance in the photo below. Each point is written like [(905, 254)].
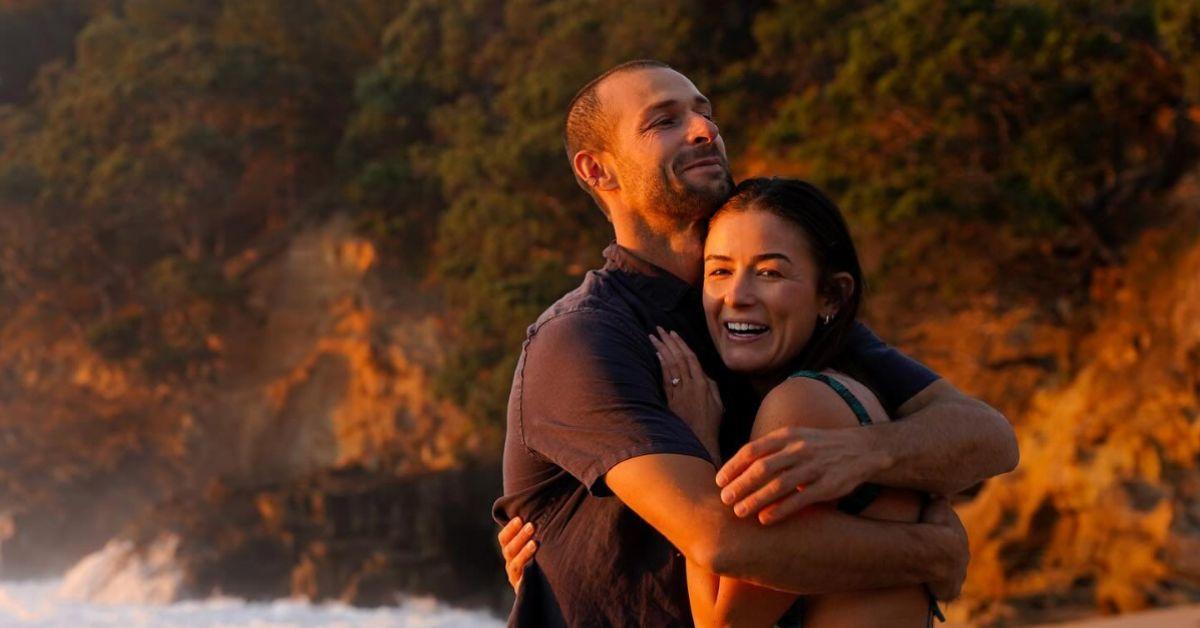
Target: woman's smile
[(746, 331)]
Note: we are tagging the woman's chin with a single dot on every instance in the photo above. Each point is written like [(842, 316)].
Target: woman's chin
[(738, 362)]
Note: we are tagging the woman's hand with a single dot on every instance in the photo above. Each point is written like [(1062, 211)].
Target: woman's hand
[(691, 394), (939, 512), (517, 546)]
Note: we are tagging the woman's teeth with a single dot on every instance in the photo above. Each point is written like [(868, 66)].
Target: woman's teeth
[(745, 329)]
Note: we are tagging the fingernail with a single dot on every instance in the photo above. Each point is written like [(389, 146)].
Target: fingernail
[(659, 356), (721, 480), (739, 510), (727, 496), (528, 527), (531, 544)]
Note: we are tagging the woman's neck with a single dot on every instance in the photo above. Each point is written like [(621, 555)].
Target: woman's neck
[(763, 384)]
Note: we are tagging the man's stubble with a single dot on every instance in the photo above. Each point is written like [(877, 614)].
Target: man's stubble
[(675, 198)]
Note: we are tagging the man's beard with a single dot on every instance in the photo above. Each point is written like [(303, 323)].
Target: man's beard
[(677, 198)]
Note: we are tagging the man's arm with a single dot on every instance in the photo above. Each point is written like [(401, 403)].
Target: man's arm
[(819, 551), (945, 443), (949, 441)]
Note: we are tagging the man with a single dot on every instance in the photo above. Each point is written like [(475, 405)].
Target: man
[(618, 491)]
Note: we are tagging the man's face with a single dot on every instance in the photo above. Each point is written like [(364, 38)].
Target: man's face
[(670, 158)]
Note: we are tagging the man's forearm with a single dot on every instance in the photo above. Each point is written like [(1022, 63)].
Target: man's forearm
[(822, 550), (943, 443)]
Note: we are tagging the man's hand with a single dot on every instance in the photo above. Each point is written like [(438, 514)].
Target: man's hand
[(794, 467), (939, 512), (517, 546)]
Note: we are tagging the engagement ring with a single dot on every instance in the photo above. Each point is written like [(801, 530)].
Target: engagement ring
[(674, 381)]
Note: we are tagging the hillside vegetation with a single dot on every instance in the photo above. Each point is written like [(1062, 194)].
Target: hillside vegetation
[(248, 241)]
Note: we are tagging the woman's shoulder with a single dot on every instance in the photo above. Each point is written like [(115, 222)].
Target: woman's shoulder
[(810, 398), (863, 393)]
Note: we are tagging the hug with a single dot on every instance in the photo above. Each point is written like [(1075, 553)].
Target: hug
[(703, 432)]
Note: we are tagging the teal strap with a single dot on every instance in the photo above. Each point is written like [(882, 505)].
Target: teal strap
[(855, 405), (861, 497)]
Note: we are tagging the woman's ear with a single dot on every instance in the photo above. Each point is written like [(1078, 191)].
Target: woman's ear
[(841, 286)]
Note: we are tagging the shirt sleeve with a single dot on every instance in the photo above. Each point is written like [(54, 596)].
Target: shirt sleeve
[(591, 397), (895, 376)]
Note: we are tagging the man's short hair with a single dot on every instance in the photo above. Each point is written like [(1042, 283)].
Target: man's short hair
[(588, 126)]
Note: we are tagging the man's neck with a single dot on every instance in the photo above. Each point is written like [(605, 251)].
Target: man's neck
[(677, 247)]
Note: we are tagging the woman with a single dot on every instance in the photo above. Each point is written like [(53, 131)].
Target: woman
[(782, 286)]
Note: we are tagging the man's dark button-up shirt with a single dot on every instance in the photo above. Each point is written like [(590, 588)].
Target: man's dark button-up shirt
[(587, 395)]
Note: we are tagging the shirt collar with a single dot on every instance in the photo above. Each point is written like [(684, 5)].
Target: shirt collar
[(656, 284)]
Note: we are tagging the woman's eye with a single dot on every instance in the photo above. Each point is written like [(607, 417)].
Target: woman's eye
[(769, 272), (664, 122), (717, 272)]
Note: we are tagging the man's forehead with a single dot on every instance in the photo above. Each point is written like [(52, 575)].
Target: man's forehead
[(631, 92)]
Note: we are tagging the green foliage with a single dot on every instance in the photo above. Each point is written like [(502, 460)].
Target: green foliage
[(1035, 114), (184, 132), (33, 34), (460, 125)]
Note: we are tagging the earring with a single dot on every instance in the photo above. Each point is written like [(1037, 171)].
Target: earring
[(827, 318)]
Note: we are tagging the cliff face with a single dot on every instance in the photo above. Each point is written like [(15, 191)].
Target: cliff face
[(1104, 509), (1098, 367), (336, 370), (327, 366), (85, 443)]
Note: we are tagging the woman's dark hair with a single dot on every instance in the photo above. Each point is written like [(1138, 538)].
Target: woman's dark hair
[(828, 237)]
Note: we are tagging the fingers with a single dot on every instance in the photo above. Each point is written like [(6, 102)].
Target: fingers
[(758, 475), (671, 351), (780, 510), (746, 456), (671, 367), (509, 531), (516, 567), (514, 545), (784, 483), (518, 547), (687, 356), (803, 497), (715, 392)]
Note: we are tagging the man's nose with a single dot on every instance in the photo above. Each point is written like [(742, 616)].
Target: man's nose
[(702, 130)]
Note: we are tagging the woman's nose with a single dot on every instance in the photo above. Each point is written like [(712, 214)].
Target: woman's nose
[(741, 292)]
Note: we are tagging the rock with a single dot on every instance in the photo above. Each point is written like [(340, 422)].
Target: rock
[(353, 535)]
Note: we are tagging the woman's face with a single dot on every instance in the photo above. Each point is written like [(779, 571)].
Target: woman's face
[(760, 290)]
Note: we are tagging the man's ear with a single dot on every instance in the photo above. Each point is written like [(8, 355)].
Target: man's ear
[(591, 169)]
